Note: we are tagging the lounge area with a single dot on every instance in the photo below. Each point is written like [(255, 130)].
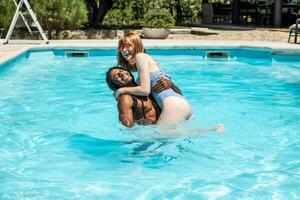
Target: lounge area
[(261, 13)]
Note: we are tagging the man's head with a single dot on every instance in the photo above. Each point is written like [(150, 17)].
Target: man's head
[(117, 77)]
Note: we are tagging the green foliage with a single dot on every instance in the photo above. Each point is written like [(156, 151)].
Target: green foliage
[(7, 9), (158, 18), (156, 4), (137, 9), (60, 14), (191, 8), (118, 17), (57, 15)]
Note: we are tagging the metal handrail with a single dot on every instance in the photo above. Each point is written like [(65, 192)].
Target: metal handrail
[(15, 18)]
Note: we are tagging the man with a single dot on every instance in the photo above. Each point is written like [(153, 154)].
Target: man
[(142, 110)]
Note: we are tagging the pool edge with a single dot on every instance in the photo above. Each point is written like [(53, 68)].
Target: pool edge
[(274, 47)]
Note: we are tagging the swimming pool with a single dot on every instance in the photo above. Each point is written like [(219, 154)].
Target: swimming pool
[(60, 137)]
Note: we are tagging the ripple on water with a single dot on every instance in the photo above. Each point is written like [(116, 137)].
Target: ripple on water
[(60, 137)]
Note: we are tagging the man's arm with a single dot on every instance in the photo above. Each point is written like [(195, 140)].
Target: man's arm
[(125, 104), (176, 89), (164, 84)]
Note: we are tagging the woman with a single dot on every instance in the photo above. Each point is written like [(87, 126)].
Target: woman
[(133, 57)]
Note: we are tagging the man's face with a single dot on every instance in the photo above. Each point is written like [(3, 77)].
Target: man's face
[(120, 76)]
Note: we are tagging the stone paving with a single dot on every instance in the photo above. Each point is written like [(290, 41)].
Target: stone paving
[(198, 33), (262, 34)]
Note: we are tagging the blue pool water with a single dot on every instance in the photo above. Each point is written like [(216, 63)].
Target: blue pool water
[(60, 137)]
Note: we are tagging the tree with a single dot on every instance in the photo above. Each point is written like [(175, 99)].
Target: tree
[(97, 10), (7, 9), (58, 15)]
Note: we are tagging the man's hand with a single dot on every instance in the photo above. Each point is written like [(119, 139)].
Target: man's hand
[(165, 83), (162, 84)]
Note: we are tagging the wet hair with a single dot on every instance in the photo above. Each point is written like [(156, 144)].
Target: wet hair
[(114, 85)]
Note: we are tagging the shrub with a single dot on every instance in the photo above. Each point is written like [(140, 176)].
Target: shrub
[(190, 8), (158, 18), (7, 9), (60, 15), (118, 17)]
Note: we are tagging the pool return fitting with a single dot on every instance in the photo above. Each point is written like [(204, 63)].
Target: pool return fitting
[(33, 16), (217, 54), (77, 54)]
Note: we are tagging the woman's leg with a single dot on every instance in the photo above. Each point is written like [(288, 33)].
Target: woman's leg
[(175, 109)]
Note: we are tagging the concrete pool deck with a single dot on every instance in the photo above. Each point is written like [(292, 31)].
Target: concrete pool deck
[(17, 47)]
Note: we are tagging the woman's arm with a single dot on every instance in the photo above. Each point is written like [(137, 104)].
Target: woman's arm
[(144, 88)]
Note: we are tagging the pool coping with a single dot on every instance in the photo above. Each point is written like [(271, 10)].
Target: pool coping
[(18, 47)]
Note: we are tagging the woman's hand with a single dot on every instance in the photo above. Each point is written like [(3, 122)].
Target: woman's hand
[(118, 92), (162, 84)]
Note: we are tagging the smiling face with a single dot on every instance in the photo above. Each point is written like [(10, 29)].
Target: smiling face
[(129, 45), (127, 51), (121, 77)]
